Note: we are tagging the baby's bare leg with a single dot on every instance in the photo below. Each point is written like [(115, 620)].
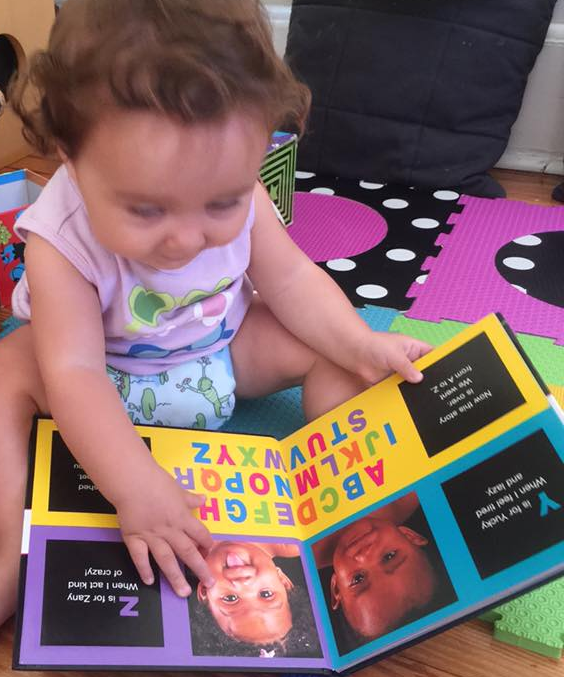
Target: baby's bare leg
[(267, 358), (21, 396)]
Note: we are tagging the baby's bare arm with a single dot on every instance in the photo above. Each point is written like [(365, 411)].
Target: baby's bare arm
[(154, 512), (308, 303)]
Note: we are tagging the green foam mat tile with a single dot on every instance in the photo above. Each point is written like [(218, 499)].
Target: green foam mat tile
[(434, 333), (534, 621), (547, 357), (558, 392)]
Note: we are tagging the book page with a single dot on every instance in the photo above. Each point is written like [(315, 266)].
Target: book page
[(475, 387), (86, 606), (391, 515), (415, 497)]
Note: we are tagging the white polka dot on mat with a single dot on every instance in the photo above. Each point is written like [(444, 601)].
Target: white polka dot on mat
[(400, 255), (528, 240), (395, 203), (323, 191), (341, 264), (518, 287), (446, 195), (421, 279), (370, 186), (518, 263), (425, 224), (371, 291), (304, 175)]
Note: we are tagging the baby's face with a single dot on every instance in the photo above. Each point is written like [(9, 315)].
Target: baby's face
[(381, 573), (159, 192), (249, 600)]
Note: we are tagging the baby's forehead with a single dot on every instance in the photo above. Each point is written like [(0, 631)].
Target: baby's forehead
[(142, 152)]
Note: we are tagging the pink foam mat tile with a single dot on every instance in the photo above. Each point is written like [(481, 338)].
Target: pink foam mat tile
[(463, 283)]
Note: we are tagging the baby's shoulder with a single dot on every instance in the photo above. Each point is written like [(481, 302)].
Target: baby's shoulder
[(58, 202), (59, 217)]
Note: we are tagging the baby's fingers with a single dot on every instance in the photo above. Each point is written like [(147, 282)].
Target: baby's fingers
[(402, 364), (139, 553), (195, 529), (165, 557), (418, 349), (191, 555), (182, 546)]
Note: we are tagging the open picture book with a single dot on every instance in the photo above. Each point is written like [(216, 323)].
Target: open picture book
[(404, 510)]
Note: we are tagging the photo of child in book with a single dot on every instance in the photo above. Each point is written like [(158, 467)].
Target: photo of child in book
[(259, 605), (381, 572)]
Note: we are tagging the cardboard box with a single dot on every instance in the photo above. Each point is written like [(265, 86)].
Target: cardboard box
[(17, 191)]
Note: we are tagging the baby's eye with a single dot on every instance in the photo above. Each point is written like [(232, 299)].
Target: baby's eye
[(230, 599), (223, 205), (266, 594), (357, 578), (389, 556), (146, 211)]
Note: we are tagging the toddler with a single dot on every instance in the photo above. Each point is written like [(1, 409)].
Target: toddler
[(141, 258)]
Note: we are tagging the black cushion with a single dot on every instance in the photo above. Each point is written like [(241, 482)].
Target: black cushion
[(420, 92)]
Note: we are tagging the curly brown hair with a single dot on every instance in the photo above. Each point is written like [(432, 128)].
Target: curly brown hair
[(196, 60)]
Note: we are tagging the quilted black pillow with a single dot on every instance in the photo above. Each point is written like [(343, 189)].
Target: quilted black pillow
[(419, 92)]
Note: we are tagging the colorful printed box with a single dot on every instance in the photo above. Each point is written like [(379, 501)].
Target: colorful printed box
[(17, 190)]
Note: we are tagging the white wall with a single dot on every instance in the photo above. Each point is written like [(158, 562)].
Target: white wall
[(537, 138)]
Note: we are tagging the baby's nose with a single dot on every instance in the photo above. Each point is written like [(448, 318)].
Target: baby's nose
[(242, 574), (186, 239)]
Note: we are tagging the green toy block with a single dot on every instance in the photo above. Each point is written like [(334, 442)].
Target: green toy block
[(278, 173)]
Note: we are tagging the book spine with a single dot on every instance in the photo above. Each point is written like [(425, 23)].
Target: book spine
[(31, 463), (24, 550), (511, 334)]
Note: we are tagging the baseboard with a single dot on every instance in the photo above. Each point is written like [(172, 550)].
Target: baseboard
[(532, 161), (280, 20)]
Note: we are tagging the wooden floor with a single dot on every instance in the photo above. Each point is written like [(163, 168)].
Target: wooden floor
[(465, 651)]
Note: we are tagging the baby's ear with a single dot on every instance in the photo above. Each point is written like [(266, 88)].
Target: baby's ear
[(202, 593), (63, 157), (413, 536), (67, 162), (335, 594), (286, 582)]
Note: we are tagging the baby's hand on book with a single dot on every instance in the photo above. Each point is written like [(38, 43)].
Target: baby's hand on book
[(160, 522), (384, 353)]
